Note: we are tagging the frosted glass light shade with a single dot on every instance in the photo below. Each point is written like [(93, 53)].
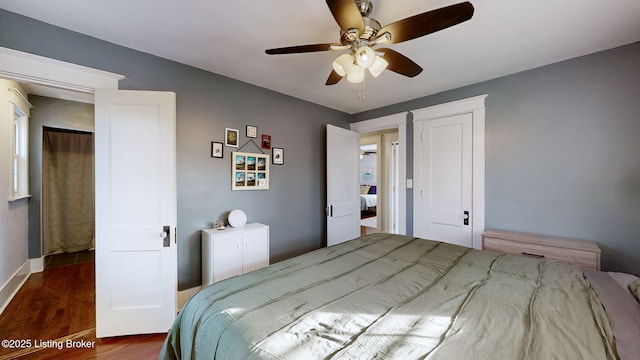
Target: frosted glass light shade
[(343, 64), (365, 57), (378, 66), (356, 75), (237, 218)]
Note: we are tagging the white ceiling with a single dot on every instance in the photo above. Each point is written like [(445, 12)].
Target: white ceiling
[(228, 37)]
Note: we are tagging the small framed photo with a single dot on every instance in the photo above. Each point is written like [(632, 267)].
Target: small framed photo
[(277, 154), (252, 131), (266, 141), (240, 161), (231, 137), (217, 149)]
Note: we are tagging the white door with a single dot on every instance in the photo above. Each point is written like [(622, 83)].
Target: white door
[(136, 251), (343, 188), (444, 188)]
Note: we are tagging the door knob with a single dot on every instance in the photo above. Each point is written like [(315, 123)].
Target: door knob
[(166, 236), (466, 218)]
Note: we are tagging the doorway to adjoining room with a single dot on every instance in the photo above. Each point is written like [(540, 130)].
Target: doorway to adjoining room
[(379, 182)]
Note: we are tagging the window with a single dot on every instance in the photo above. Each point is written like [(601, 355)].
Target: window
[(20, 145)]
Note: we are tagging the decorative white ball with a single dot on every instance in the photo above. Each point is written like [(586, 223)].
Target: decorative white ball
[(237, 218)]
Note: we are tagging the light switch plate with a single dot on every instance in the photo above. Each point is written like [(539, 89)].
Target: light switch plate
[(409, 183)]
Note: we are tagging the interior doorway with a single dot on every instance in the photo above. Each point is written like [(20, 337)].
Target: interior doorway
[(397, 154), (379, 175)]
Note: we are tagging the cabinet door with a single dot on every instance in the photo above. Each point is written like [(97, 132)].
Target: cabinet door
[(227, 256), (256, 249)]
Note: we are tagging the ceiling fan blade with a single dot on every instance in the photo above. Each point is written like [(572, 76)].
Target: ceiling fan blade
[(400, 63), (334, 78), (300, 49), (347, 14), (428, 22)]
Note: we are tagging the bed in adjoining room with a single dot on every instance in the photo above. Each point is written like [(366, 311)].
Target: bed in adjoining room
[(368, 201), (397, 297)]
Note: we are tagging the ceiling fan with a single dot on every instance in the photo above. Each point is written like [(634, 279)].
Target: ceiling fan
[(360, 34)]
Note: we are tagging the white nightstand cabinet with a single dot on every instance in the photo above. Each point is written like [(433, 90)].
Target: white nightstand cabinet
[(233, 251)]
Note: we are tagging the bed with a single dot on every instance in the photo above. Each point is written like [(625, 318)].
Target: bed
[(398, 297), (368, 201)]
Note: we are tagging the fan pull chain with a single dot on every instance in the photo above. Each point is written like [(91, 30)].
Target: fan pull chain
[(361, 93)]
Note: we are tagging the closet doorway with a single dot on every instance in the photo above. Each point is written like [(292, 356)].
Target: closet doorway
[(68, 225)]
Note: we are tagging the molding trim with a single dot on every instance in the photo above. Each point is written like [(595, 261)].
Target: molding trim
[(398, 121), (452, 108), (25, 67), (36, 265), (11, 287), (19, 99), (476, 106), (381, 123)]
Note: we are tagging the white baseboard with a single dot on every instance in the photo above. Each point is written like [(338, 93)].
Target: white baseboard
[(185, 295), (11, 287), (36, 265)]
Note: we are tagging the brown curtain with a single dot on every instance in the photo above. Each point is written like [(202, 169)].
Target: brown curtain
[(67, 191)]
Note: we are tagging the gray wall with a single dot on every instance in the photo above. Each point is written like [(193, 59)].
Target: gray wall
[(561, 145), (48, 112), (562, 151), (207, 103)]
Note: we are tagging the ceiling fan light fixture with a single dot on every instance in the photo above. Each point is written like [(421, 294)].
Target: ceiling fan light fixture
[(356, 75), (378, 66), (343, 64), (365, 57)]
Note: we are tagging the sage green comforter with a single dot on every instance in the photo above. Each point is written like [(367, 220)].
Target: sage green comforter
[(395, 297)]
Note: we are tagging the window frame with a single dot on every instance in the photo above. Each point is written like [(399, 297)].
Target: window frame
[(19, 109)]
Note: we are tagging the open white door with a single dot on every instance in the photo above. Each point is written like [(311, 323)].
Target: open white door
[(136, 251), (343, 188)]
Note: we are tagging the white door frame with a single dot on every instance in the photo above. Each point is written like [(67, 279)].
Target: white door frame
[(398, 121), (25, 67), (35, 69), (476, 106)]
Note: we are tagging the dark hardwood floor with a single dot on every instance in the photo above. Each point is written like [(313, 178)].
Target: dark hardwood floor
[(53, 317)]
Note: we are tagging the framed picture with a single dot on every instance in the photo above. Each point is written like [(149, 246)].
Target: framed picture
[(249, 171), (266, 141), (278, 156), (217, 149), (367, 174), (252, 131), (231, 137)]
